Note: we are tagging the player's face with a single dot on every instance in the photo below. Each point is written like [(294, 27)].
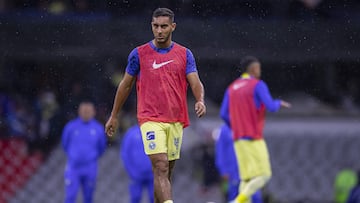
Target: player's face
[(86, 111), (256, 69), (162, 28)]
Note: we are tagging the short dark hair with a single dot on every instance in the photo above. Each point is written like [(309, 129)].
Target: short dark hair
[(246, 62), (164, 12)]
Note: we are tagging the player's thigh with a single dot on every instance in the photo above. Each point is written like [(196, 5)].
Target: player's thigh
[(261, 156), (88, 179), (72, 183), (253, 158), (174, 142), (241, 152), (245, 159), (154, 137)]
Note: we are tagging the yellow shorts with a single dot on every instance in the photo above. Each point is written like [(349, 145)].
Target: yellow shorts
[(161, 137), (252, 158)]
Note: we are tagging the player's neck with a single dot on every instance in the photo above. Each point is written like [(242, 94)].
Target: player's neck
[(162, 45)]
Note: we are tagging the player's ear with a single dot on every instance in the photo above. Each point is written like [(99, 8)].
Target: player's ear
[(173, 26)]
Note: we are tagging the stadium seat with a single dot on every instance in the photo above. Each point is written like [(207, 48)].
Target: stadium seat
[(16, 166)]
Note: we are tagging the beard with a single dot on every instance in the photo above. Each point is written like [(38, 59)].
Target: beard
[(162, 39)]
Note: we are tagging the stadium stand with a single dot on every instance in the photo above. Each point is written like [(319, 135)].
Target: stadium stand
[(306, 156), (16, 166)]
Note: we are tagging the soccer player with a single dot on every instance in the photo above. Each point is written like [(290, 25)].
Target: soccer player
[(83, 141), (137, 165), (162, 70), (243, 109), (226, 164)]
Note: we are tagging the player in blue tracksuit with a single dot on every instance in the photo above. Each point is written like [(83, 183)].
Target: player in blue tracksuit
[(226, 164), (137, 165), (83, 141)]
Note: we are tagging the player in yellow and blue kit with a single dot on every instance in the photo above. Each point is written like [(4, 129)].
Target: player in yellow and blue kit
[(243, 109), (226, 164), (162, 70)]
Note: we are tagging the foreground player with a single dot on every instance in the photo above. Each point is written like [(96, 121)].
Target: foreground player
[(84, 142), (227, 165), (243, 108), (137, 165), (162, 69)]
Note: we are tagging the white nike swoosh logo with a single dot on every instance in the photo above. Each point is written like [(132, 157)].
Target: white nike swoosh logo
[(238, 86), (156, 66)]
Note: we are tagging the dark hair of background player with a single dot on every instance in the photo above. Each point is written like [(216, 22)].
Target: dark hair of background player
[(246, 62)]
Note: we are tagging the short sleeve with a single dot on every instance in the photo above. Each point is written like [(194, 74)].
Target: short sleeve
[(190, 62), (133, 66)]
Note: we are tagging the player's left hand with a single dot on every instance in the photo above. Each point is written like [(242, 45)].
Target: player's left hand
[(200, 108)]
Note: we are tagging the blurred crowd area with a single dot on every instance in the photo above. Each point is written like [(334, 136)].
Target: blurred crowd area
[(267, 9), (38, 95), (37, 103), (33, 120)]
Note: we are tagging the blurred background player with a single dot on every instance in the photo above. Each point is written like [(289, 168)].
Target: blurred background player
[(345, 181), (244, 105), (354, 196), (227, 166), (162, 69), (83, 141), (137, 165)]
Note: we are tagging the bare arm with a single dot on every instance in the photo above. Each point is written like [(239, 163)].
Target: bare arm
[(122, 94), (198, 92)]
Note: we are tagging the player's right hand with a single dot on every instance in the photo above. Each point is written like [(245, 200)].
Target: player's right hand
[(111, 126), (285, 104)]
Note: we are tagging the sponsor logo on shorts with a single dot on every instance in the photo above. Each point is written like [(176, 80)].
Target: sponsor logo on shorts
[(150, 135), (176, 143), (152, 145)]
